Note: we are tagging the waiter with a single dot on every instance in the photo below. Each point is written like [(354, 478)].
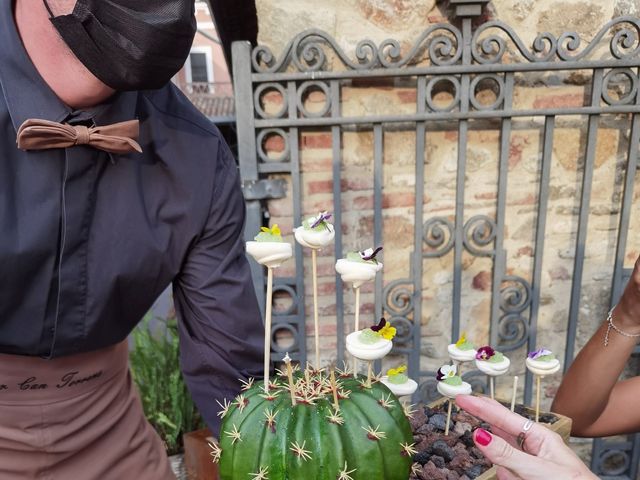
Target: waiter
[(112, 186)]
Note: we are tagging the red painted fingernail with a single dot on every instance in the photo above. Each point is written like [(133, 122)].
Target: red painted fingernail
[(483, 437)]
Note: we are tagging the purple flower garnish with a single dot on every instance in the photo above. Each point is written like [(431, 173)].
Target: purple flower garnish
[(485, 353), (440, 375), (541, 352), (322, 217), (380, 326), (370, 254)]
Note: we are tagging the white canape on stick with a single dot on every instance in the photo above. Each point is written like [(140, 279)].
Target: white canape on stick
[(270, 250), (371, 343), (451, 385), (491, 363), (541, 363), (461, 352), (399, 382), (315, 233), (358, 268)]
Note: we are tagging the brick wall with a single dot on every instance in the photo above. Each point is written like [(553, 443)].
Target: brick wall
[(351, 21)]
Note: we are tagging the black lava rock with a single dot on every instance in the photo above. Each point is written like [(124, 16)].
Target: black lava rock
[(438, 461), (440, 448), (422, 457), (439, 420), (426, 428), (474, 471), (485, 426), (548, 418), (428, 411), (467, 439)]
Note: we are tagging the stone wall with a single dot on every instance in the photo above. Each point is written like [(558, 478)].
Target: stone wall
[(349, 21)]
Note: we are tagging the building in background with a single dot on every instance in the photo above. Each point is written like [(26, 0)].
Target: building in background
[(205, 77)]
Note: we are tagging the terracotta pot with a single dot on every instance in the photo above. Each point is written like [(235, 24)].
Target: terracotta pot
[(562, 427), (197, 455)]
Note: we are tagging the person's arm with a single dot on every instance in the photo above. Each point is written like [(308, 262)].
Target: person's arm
[(590, 392), (221, 329)]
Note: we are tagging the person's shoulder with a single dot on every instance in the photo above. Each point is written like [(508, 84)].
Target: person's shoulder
[(170, 106)]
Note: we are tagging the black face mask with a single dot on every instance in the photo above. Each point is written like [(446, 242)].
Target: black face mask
[(130, 44)]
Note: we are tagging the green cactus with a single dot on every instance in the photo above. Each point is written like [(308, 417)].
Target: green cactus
[(265, 437)]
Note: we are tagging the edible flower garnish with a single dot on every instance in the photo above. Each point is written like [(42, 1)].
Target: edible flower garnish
[(446, 371), (321, 219), (384, 329), (396, 371), (462, 340), (275, 230), (485, 353), (538, 354), (370, 254)]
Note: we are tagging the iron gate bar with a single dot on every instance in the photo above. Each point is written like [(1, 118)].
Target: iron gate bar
[(336, 165), (503, 164), (413, 118), (296, 193), (378, 154), (418, 245), (463, 57), (583, 220), (442, 70), (541, 223), (247, 153)]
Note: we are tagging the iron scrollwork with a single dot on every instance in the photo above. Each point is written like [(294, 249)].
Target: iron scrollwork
[(513, 326), (308, 51), (490, 48), (437, 234), (479, 233), (398, 301)]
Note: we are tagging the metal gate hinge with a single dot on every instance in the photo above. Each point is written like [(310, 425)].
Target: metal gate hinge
[(264, 189)]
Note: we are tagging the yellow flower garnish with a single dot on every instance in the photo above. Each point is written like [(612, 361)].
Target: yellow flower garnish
[(275, 230), (388, 331), (462, 340), (396, 371)]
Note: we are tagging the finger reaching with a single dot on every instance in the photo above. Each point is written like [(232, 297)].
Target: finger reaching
[(503, 419)]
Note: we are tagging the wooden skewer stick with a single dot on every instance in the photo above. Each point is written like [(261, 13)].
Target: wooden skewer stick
[(314, 265), (267, 328), (514, 393), (357, 327), (492, 387), (307, 374), (334, 389), (292, 387), (446, 428), (537, 398), (369, 373)]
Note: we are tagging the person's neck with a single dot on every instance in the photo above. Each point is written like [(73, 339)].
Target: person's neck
[(59, 68)]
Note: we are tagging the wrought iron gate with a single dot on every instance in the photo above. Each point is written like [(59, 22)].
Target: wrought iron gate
[(460, 57)]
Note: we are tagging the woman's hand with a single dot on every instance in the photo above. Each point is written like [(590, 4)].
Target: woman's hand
[(545, 456)]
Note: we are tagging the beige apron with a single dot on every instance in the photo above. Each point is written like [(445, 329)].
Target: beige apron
[(76, 418)]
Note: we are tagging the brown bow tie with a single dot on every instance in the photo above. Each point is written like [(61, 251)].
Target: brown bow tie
[(35, 134)]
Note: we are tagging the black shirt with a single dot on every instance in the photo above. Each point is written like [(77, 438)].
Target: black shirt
[(88, 240)]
